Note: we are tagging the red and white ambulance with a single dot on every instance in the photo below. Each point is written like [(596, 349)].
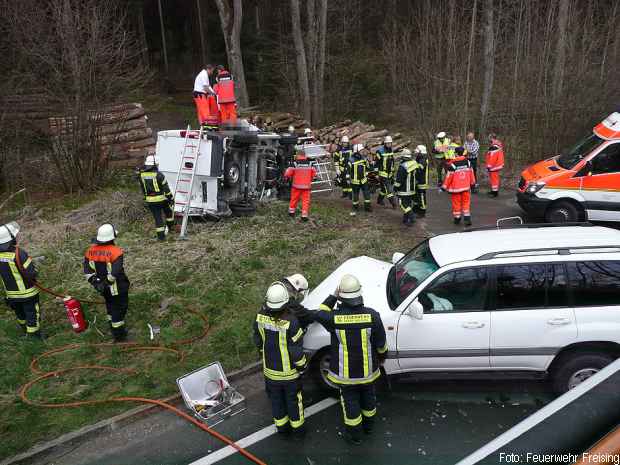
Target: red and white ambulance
[(581, 184)]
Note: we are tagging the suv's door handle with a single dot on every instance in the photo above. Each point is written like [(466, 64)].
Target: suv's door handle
[(472, 325), (558, 321)]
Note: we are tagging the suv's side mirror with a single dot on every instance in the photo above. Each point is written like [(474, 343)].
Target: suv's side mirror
[(415, 310), (396, 257)]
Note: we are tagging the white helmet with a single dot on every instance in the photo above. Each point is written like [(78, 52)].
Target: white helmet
[(291, 129), (358, 148), (441, 135), (405, 153), (277, 296), (344, 139), (350, 287), (106, 233), (421, 149), (150, 160), (387, 140), (8, 232), (307, 131), (298, 281)]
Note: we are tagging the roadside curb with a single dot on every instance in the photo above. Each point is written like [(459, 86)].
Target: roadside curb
[(67, 441)]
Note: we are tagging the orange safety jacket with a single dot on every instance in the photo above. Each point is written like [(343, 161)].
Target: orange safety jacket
[(460, 176), (302, 173), (495, 156), (225, 90)]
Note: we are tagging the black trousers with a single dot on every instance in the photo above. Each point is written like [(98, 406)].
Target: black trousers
[(116, 306), (386, 189), (286, 404), (164, 216), (474, 166), (345, 183), (406, 205), (356, 195), (420, 200), (359, 407), (27, 313)]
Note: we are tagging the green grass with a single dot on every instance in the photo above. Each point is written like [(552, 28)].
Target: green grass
[(222, 271)]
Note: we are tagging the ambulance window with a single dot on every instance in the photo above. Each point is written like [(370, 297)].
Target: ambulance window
[(569, 159), (608, 161)]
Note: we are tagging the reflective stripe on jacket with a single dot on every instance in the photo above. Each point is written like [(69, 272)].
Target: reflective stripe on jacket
[(18, 284), (302, 173), (357, 342), (440, 146), (421, 172), (495, 156), (358, 170), (281, 342), (406, 178), (106, 262), (385, 156), (154, 186), (460, 176)]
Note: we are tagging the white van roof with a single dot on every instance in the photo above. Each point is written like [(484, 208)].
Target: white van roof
[(466, 246)]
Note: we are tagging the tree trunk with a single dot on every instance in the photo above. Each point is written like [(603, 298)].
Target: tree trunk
[(302, 69), (489, 63), (322, 52), (560, 50), (203, 50), (163, 38), (231, 17), (472, 36)]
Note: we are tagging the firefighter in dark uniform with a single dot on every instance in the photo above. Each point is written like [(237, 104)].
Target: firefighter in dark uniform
[(18, 276), (103, 267), (421, 185), (341, 160), (157, 197), (297, 287), (405, 185), (385, 162), (358, 349), (279, 337), (358, 176)]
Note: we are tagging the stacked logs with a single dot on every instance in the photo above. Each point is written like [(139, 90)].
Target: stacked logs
[(122, 129)]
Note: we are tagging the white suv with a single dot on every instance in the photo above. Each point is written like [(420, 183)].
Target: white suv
[(528, 300)]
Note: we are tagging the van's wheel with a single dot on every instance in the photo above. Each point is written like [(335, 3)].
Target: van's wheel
[(319, 367), (232, 173), (563, 212), (577, 368), (242, 208)]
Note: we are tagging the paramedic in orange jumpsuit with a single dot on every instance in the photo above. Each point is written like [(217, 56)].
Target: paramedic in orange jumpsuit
[(458, 182), (225, 91), (204, 98), (495, 163), (302, 173)]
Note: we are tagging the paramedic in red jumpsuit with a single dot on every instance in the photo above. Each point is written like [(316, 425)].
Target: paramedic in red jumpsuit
[(459, 181), (225, 91), (495, 163), (302, 173)]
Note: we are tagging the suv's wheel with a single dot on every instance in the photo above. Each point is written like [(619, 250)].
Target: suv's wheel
[(319, 367), (563, 212), (577, 368)]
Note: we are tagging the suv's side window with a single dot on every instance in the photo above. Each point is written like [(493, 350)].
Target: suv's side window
[(531, 286), (595, 283), (608, 161), (456, 291)]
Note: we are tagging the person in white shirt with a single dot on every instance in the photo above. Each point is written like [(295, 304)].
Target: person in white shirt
[(204, 98)]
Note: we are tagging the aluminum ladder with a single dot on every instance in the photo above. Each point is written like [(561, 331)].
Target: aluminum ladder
[(186, 173), (323, 181)]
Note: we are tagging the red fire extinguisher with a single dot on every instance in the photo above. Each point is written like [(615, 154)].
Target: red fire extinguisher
[(75, 314)]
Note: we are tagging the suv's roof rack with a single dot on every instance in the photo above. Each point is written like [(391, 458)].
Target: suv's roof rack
[(529, 226), (560, 250)]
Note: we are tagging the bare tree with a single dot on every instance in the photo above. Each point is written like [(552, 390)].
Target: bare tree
[(320, 92), (231, 17), (302, 67), (560, 49), (489, 63)]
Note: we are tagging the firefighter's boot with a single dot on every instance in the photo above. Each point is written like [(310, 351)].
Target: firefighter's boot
[(468, 221), (457, 220), (393, 202)]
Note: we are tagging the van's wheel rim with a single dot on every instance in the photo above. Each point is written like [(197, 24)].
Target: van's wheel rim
[(233, 174), (580, 376), (561, 215), (324, 369)]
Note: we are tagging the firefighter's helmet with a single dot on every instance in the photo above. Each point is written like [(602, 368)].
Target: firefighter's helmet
[(308, 132), (421, 149), (441, 135), (344, 140), (291, 129), (106, 233), (387, 140), (276, 297), (405, 153), (8, 232), (349, 287), (150, 160), (357, 148)]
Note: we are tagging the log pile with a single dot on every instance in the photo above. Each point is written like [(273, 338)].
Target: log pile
[(122, 129)]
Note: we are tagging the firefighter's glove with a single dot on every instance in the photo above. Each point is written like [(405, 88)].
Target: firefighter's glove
[(97, 283)]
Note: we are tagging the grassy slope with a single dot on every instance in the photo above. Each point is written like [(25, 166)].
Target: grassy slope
[(222, 271)]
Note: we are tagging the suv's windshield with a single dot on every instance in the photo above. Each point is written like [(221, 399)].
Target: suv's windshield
[(581, 149), (409, 272)]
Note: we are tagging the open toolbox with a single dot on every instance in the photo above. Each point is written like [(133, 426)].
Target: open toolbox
[(209, 395)]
